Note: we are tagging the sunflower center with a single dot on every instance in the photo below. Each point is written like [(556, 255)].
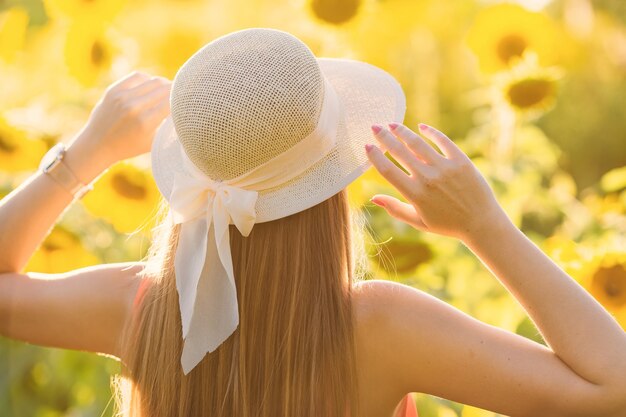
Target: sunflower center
[(510, 46), (98, 53), (6, 144), (530, 92), (51, 246), (335, 11), (128, 187), (610, 284), (59, 238)]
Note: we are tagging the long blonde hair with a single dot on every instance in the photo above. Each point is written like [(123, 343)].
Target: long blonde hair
[(293, 353)]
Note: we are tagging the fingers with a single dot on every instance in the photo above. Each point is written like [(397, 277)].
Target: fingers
[(415, 143), (400, 210), (155, 95), (389, 170), (161, 110), (147, 86), (151, 97), (130, 80), (449, 148), (398, 150)]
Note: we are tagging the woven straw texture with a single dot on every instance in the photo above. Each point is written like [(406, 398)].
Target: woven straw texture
[(250, 95)]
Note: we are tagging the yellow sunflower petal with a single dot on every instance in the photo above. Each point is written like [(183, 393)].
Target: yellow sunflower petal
[(620, 316), (369, 36), (91, 10), (18, 152), (469, 411), (13, 25), (179, 34), (614, 180)]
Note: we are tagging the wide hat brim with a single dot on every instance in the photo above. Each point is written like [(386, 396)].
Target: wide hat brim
[(367, 95)]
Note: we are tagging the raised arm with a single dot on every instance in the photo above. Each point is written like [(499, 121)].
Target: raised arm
[(60, 309), (574, 325), (448, 196), (120, 127)]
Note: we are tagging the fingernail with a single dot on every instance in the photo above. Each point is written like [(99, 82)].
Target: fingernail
[(368, 147), (377, 202), (392, 126), (422, 126), (376, 128)]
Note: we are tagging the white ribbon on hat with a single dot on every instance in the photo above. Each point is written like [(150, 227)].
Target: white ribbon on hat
[(203, 267)]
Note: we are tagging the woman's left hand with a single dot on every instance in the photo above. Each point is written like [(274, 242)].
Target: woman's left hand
[(123, 122)]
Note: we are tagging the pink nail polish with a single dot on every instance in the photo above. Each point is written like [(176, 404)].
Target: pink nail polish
[(392, 126), (376, 128), (378, 203), (422, 126), (368, 147)]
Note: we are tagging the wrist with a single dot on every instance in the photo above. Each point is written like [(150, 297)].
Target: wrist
[(86, 161), (491, 225)]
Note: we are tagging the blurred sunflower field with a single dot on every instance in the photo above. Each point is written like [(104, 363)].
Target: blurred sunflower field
[(533, 91)]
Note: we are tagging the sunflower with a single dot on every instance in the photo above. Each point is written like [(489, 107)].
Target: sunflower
[(18, 152), (181, 31), (531, 93), (61, 251), (501, 34), (13, 25), (125, 196), (84, 10), (527, 88), (604, 276), (89, 52)]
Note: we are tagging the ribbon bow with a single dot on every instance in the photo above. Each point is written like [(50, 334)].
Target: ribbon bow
[(203, 266), (202, 204)]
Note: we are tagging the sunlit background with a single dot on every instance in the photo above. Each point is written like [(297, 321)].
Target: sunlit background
[(534, 92)]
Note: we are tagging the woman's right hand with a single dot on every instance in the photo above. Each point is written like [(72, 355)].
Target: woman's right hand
[(446, 193)]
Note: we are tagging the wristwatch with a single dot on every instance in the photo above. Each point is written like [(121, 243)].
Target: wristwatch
[(52, 164)]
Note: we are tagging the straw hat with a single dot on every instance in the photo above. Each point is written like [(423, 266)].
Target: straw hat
[(278, 130)]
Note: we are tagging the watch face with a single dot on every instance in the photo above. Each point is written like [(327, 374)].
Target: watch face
[(50, 158)]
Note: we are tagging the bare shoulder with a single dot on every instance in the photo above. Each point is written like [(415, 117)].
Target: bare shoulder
[(377, 304), (373, 297)]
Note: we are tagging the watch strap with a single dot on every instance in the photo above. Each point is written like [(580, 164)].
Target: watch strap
[(68, 180)]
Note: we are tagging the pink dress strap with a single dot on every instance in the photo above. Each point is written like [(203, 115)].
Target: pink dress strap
[(407, 407), (141, 290)]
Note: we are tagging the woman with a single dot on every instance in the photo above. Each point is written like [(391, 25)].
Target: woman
[(311, 338)]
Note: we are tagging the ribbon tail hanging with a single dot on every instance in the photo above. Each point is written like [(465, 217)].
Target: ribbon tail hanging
[(215, 315), (188, 265)]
